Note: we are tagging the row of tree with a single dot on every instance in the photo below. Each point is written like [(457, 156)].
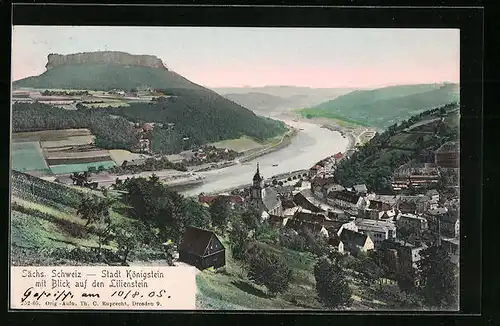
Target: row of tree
[(112, 133)]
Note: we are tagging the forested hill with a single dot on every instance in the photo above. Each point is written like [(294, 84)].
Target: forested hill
[(383, 107), (200, 115), (414, 139)]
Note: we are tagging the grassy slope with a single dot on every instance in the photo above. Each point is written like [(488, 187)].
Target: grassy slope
[(229, 289), (385, 106), (54, 224)]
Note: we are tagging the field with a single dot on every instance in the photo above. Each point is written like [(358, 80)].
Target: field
[(82, 167), (120, 155), (69, 141), (27, 156), (57, 151), (50, 135), (241, 144)]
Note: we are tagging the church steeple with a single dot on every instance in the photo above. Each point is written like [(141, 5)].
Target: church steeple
[(258, 185), (257, 178)]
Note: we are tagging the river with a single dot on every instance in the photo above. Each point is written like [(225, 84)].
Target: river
[(311, 144)]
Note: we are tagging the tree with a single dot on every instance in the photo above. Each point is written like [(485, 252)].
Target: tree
[(251, 217), (331, 284), (195, 214), (238, 240), (81, 179), (437, 276), (92, 169), (268, 269), (406, 281), (275, 182), (220, 211), (369, 270), (94, 210), (100, 168), (128, 237)]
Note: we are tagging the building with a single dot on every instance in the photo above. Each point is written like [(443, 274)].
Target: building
[(448, 155), (361, 189), (318, 186), (232, 199), (278, 221), (412, 204), (415, 223), (301, 200), (332, 187), (314, 170), (266, 199), (450, 225), (378, 230), (311, 217), (400, 257), (290, 212), (452, 247), (355, 242), (144, 145), (285, 192), (202, 249), (336, 243), (315, 228), (415, 175), (346, 200), (433, 194)]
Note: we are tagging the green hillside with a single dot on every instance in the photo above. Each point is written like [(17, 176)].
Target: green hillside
[(414, 139), (105, 77), (383, 107)]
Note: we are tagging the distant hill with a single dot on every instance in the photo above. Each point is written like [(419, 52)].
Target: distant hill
[(272, 99), (198, 113), (383, 107), (258, 101)]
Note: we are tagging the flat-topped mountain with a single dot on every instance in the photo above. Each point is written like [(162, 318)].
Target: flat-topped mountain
[(200, 115), (104, 57)]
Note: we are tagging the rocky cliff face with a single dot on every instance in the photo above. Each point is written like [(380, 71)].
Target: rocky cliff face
[(104, 57)]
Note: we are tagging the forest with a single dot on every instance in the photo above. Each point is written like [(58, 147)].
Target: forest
[(374, 163), (197, 117), (110, 133)]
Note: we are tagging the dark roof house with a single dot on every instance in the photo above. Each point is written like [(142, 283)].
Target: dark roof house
[(355, 241), (303, 202), (202, 249)]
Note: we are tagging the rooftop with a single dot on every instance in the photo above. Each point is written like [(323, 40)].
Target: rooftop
[(375, 225)]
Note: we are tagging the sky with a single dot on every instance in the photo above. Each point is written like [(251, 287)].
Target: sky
[(236, 57)]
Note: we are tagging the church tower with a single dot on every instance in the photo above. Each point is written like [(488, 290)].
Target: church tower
[(258, 185)]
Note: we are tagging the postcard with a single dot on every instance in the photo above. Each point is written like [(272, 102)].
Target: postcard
[(231, 168)]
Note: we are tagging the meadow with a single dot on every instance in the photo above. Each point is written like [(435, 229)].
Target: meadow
[(241, 144), (81, 167), (57, 151), (229, 288), (27, 156)]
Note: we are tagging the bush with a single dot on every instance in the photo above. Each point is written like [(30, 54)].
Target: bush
[(331, 284), (293, 241), (270, 270)]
